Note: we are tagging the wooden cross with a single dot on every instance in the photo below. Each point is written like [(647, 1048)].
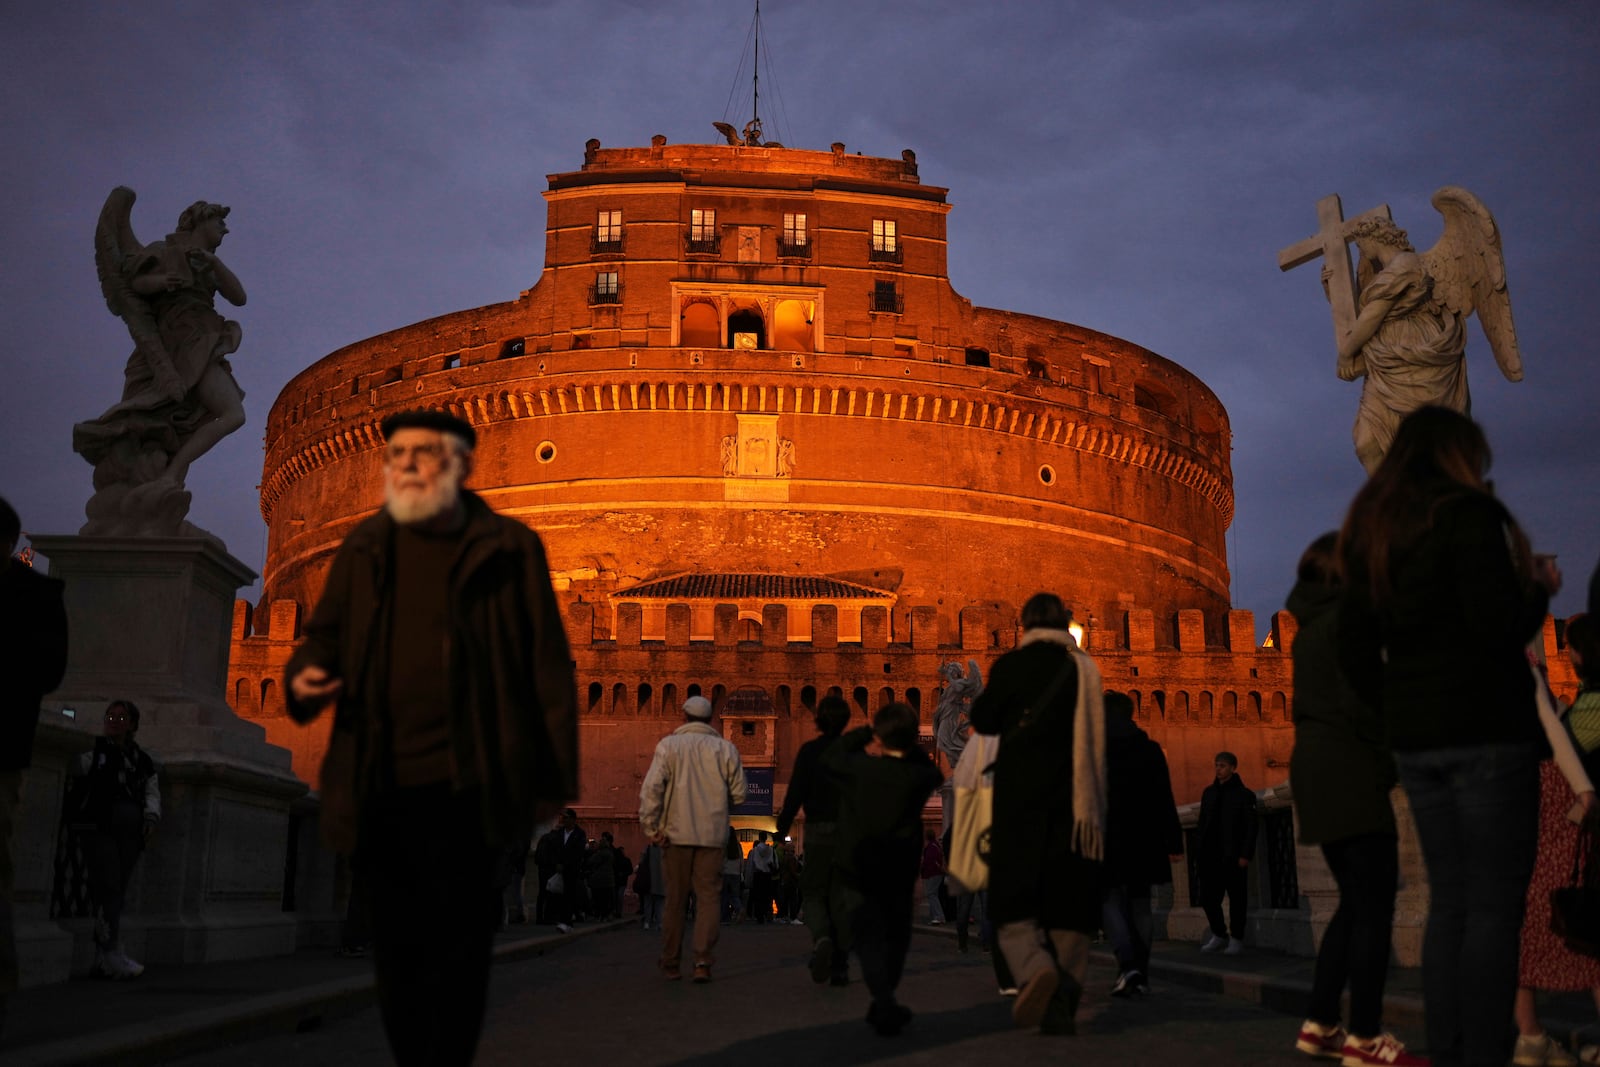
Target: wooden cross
[(1331, 243)]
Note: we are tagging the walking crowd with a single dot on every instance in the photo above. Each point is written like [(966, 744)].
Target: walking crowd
[(439, 650)]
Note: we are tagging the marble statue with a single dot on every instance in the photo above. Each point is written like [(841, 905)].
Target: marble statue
[(950, 717), (1401, 324), (179, 397)]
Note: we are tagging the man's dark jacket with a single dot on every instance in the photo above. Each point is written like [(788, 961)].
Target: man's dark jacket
[(513, 713), (1227, 821), (1142, 827), (33, 656), (810, 787)]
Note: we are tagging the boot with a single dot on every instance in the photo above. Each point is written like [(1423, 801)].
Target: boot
[(1061, 1016)]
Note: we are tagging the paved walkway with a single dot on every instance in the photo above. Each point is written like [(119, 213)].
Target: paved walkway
[(197, 1010)]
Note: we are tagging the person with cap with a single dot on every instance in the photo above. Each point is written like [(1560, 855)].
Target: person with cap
[(438, 641), (694, 780)]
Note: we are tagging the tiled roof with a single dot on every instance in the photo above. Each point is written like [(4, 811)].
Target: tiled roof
[(728, 587)]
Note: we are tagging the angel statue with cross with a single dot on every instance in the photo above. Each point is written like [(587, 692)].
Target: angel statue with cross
[(1401, 323), (179, 397)]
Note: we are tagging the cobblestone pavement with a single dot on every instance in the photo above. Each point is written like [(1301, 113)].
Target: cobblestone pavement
[(599, 1000)]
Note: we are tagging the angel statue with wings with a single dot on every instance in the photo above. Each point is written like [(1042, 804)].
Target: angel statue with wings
[(950, 717), (179, 397), (1402, 325)]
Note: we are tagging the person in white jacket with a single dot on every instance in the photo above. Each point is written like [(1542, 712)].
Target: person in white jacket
[(693, 782)]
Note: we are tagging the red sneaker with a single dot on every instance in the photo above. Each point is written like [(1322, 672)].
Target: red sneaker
[(1383, 1049), (1324, 1042)]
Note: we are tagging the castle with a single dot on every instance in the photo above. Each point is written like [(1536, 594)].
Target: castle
[(774, 454)]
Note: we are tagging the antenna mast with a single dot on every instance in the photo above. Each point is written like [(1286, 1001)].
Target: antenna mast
[(755, 102)]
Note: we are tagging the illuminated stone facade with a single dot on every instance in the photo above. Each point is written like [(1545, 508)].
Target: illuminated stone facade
[(773, 452)]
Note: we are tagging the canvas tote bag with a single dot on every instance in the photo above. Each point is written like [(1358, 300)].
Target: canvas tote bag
[(973, 787)]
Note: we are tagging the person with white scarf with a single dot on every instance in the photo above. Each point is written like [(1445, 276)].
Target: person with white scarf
[(1044, 699)]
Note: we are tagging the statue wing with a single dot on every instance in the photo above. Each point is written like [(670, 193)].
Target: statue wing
[(1469, 273), (114, 244), (729, 132)]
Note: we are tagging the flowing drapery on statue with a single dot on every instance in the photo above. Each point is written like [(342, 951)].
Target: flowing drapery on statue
[(179, 397), (950, 724), (1401, 325)]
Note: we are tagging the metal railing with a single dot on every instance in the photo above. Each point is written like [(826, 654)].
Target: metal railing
[(609, 295), (885, 255), (794, 251), (703, 246), (610, 247), (888, 301)]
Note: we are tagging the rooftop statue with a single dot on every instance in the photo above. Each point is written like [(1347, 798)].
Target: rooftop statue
[(179, 397), (950, 718), (1402, 323)]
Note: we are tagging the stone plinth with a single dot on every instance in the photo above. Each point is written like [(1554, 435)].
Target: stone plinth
[(150, 621)]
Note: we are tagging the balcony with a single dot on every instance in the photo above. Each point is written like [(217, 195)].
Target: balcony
[(794, 251), (887, 301), (608, 245), (605, 295), (885, 255), (705, 245)]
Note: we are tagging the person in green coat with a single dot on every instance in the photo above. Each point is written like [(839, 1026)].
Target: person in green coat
[(1341, 773)]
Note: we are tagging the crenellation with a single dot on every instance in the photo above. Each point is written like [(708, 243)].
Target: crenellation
[(1241, 631)]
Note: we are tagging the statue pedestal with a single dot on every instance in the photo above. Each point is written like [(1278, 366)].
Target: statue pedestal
[(149, 621)]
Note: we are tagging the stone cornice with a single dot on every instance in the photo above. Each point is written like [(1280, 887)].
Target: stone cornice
[(680, 390)]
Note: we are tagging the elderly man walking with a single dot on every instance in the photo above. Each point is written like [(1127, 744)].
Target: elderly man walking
[(439, 642), (693, 781)]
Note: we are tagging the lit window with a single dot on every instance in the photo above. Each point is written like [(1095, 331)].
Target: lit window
[(607, 232), (794, 234), (702, 224), (884, 238), (606, 289)]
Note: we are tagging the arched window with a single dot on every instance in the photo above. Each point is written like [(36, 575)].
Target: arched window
[(643, 707), (1230, 707), (1180, 705), (1207, 707), (914, 698), (1279, 708), (669, 700), (860, 697), (780, 702), (808, 696), (597, 693), (619, 699), (241, 697), (270, 704), (885, 696)]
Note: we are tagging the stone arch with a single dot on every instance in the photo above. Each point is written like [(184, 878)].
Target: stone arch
[(914, 698), (1278, 708), (669, 699), (1252, 707), (1230, 707), (643, 705), (597, 693), (241, 697), (747, 320), (699, 325), (1207, 709), (1180, 706), (859, 697), (269, 698), (782, 701), (791, 325), (885, 696), (619, 699), (808, 696)]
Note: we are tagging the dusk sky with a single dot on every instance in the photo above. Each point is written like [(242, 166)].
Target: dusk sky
[(1131, 167)]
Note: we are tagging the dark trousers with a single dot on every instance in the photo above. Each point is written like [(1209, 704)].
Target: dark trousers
[(882, 935), (110, 853), (761, 896), (1222, 875), (1355, 948), (1125, 914), (434, 909), (1477, 815)]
